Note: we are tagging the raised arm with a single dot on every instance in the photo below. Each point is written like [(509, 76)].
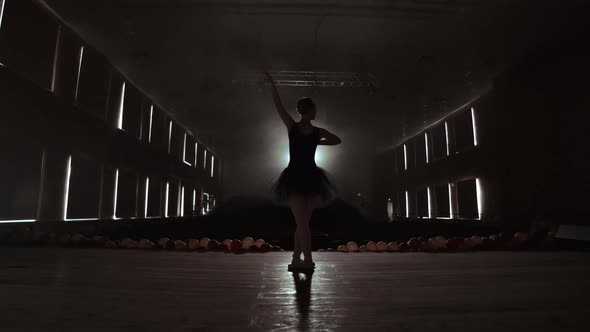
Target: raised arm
[(327, 138), (287, 119)]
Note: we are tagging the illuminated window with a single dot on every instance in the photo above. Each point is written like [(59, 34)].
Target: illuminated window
[(1, 12), (451, 208), (389, 209), (206, 203), (194, 200), (426, 145), (479, 192), (468, 199), (407, 205), (150, 125), (421, 204), (205, 159), (405, 157), (121, 102), (429, 198), (212, 163), (184, 149), (166, 195), (147, 190), (182, 201), (81, 54), (169, 135), (67, 186), (196, 154), (441, 201), (474, 126), (447, 137), (115, 196)]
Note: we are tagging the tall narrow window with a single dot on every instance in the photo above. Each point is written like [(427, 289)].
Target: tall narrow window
[(184, 149), (67, 186), (115, 196), (407, 205), (429, 198), (196, 155), (451, 207), (121, 103), (474, 126), (150, 125), (80, 55), (1, 11), (147, 191), (166, 195), (212, 164), (479, 193), (405, 157), (182, 201), (389, 209), (426, 145), (447, 137), (194, 200), (205, 159), (169, 135)]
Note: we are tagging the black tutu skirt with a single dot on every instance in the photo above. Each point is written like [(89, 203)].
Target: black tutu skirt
[(312, 181)]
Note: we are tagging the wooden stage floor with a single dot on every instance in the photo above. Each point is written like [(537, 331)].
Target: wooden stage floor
[(52, 289)]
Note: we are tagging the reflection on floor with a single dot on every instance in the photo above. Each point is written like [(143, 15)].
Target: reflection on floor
[(126, 290)]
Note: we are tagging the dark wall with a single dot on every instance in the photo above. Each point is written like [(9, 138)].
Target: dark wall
[(70, 140), (532, 157)]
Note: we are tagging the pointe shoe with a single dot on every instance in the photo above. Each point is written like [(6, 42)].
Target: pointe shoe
[(301, 265)]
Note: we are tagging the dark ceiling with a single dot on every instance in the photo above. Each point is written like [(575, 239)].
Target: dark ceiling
[(428, 56)]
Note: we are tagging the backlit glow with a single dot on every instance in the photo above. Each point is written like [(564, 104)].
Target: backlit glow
[(429, 198), (80, 55), (166, 194), (407, 205), (426, 144), (182, 202), (405, 158), (147, 190), (212, 164), (67, 186), (474, 126), (121, 103), (169, 135), (205, 159), (150, 128), (115, 195), (479, 193), (447, 137)]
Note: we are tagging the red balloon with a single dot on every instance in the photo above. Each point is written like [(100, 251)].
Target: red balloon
[(414, 243), (213, 245), (403, 247), (236, 245)]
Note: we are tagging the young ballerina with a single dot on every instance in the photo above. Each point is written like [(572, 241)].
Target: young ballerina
[(302, 185)]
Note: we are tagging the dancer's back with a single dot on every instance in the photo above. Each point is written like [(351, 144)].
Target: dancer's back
[(302, 147)]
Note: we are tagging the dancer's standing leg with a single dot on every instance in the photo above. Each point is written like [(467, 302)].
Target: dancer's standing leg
[(302, 207)]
